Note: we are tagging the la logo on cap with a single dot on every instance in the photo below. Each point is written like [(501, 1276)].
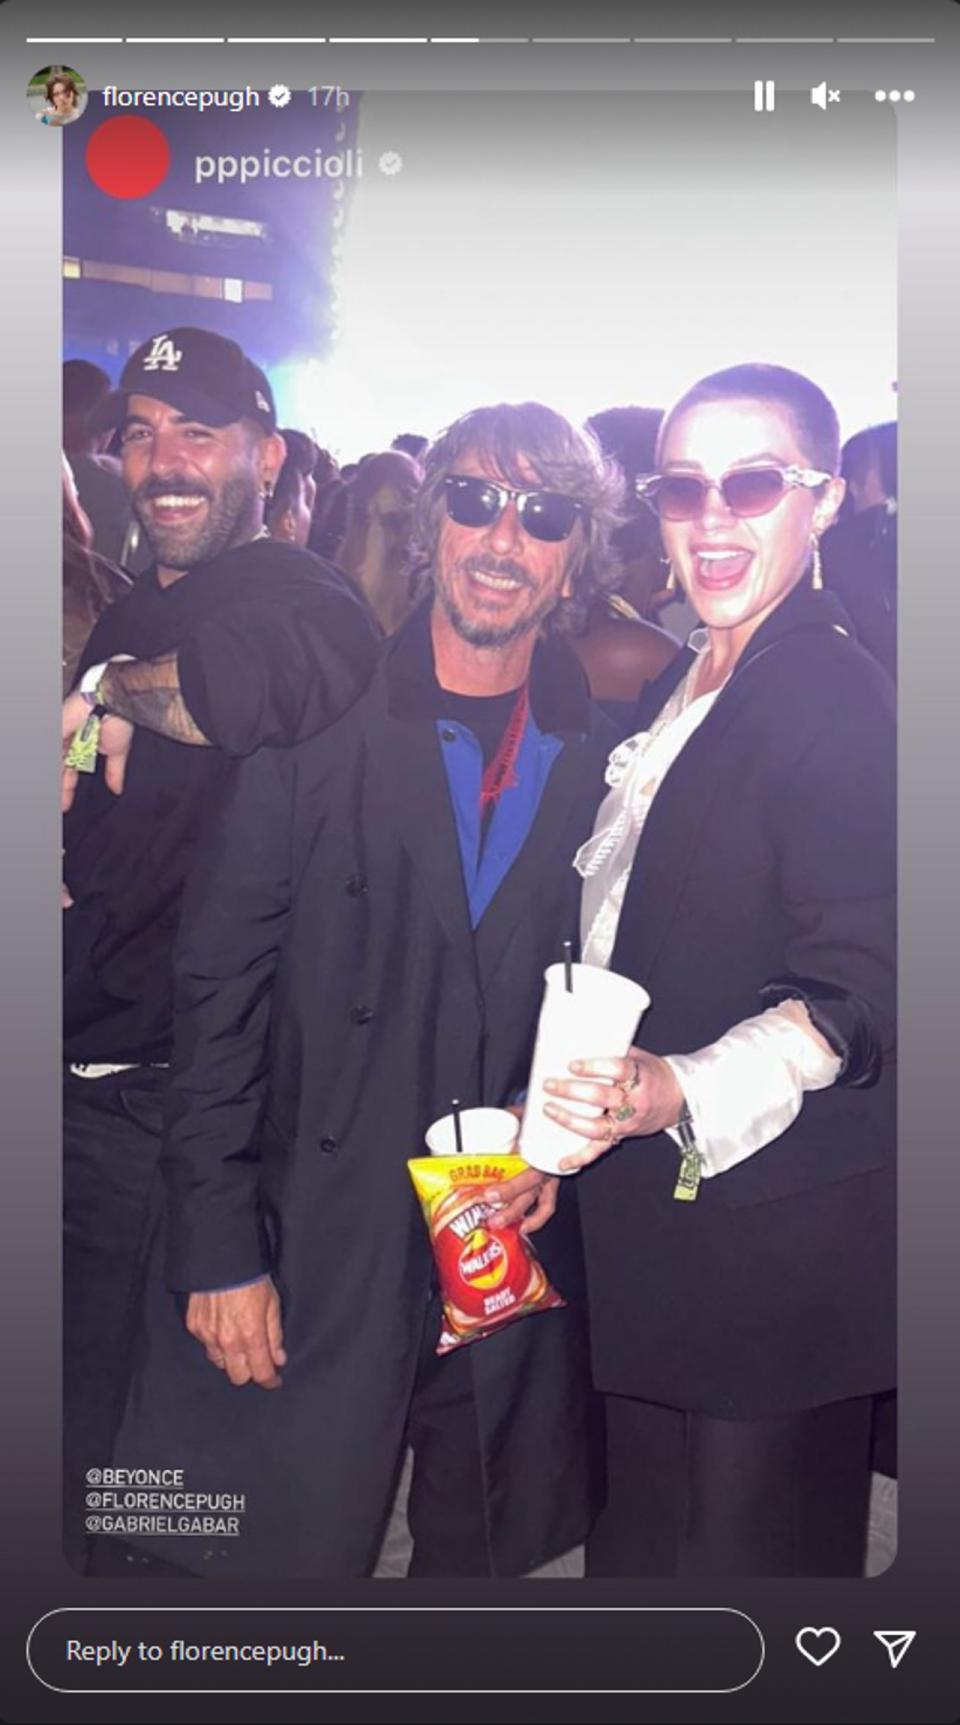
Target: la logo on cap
[(261, 401), (163, 356)]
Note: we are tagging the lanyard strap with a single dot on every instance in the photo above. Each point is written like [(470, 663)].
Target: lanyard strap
[(501, 772)]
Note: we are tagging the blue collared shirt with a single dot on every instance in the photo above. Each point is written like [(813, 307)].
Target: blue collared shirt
[(486, 865)]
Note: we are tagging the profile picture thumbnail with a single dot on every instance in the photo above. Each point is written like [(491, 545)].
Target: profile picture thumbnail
[(57, 95)]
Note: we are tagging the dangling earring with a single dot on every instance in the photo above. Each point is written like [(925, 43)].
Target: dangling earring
[(267, 492), (816, 579), (671, 581)]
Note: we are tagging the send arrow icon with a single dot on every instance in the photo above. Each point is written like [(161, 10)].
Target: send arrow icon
[(896, 1642)]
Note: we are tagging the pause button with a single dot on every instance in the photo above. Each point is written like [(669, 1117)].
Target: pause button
[(764, 95)]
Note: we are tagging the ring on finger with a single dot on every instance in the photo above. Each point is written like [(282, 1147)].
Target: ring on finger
[(632, 1083)]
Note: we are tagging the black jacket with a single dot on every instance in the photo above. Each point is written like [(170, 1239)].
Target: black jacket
[(271, 647), (766, 867), (332, 998)]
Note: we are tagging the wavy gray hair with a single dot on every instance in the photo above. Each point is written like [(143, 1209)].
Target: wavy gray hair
[(564, 458)]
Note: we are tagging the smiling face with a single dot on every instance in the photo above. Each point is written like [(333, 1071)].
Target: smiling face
[(496, 583), (735, 570), (63, 98), (196, 489)]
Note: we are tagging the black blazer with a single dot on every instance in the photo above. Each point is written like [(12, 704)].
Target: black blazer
[(766, 867)]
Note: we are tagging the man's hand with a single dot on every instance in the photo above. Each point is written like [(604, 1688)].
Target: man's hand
[(530, 1195), (116, 736), (241, 1332)]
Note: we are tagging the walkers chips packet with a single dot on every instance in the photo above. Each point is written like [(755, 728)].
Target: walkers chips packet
[(489, 1275)]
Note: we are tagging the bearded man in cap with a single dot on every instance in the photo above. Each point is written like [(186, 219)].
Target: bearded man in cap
[(229, 642)]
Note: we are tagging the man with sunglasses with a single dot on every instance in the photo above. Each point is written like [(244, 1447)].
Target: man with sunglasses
[(366, 940)]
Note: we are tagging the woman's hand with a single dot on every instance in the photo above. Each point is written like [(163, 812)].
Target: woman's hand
[(640, 1095)]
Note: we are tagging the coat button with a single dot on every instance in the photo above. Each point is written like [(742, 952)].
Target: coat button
[(361, 1014), (357, 886), (328, 1146), (448, 735)]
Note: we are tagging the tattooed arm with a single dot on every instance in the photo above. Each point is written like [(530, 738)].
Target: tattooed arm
[(147, 692), (269, 670)]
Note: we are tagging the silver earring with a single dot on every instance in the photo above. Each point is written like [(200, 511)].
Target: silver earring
[(816, 578)]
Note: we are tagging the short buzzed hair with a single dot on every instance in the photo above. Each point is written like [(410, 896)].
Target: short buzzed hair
[(812, 412)]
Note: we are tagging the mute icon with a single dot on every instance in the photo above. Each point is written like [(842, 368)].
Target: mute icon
[(818, 95)]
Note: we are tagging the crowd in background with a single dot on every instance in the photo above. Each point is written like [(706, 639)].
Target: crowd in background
[(341, 825), (358, 515)]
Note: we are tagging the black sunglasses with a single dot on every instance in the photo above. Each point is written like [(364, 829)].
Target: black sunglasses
[(746, 491), (546, 515)]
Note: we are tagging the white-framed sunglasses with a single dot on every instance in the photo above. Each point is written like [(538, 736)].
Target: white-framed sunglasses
[(746, 491)]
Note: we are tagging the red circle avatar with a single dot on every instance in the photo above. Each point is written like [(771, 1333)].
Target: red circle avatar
[(128, 157)]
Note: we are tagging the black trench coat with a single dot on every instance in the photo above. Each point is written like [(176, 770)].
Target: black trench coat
[(332, 998)]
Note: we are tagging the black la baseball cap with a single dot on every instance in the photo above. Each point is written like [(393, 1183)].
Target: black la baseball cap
[(199, 373)]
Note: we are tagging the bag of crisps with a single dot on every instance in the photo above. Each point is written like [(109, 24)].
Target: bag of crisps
[(488, 1275)]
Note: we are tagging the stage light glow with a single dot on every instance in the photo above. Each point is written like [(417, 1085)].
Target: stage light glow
[(592, 294)]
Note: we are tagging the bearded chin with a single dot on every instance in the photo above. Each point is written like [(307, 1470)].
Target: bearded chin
[(234, 518), (487, 634), (491, 634)]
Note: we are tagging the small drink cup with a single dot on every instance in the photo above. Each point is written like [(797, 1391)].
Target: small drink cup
[(485, 1132), (596, 1019)]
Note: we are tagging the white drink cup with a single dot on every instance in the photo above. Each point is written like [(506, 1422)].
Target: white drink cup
[(595, 1020), (485, 1132)]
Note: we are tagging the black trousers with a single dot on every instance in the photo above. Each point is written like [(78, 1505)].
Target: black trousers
[(111, 1143), (692, 1495), (446, 1507)]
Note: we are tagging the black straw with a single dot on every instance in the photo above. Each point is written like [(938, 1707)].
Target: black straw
[(457, 1130), (568, 965)]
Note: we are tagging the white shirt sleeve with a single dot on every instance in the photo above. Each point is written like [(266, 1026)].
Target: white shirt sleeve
[(744, 1090)]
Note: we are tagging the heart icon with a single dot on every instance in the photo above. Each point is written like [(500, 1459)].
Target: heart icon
[(817, 1645)]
